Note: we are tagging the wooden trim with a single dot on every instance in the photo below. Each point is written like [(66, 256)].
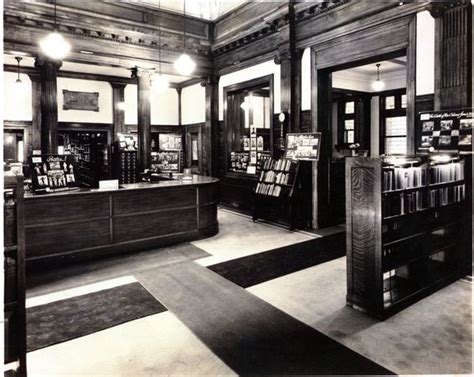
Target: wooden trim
[(411, 86)]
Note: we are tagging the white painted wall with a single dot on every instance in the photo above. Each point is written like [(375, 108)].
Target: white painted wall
[(306, 80), (17, 103), (425, 31), (193, 104), (250, 73), (105, 113), (164, 107), (131, 103), (374, 126)]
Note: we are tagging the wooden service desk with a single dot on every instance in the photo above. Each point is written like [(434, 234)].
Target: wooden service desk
[(87, 223)]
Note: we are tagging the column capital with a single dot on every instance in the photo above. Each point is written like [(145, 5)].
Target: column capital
[(141, 72), (117, 85), (43, 61), (437, 9), (287, 54), (210, 80)]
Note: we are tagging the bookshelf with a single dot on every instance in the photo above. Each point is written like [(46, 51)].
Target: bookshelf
[(405, 230), (275, 190), (14, 277)]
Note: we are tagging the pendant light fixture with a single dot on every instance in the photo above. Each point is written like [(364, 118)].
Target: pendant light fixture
[(19, 85), (378, 84), (184, 64), (54, 45), (159, 83)]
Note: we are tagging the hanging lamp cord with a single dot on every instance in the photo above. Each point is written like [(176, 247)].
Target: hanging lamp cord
[(159, 38), (184, 26)]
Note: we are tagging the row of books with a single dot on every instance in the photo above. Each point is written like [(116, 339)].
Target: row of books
[(413, 177), (282, 164), (410, 202), (446, 173), (447, 195), (272, 177), (405, 178), (266, 189)]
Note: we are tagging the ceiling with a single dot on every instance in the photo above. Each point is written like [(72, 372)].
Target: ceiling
[(386, 66), (208, 10), (29, 61)]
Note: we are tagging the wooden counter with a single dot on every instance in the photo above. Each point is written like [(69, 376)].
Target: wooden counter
[(84, 224)]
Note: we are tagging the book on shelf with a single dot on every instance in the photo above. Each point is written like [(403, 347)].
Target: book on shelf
[(404, 178), (447, 173)]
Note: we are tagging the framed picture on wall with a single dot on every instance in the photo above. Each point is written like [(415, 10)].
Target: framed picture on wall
[(80, 100)]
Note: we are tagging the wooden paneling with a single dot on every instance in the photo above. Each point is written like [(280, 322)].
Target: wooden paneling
[(61, 238), (363, 194), (453, 68), (207, 216), (207, 195), (378, 40), (137, 227), (153, 200), (74, 226), (44, 210)]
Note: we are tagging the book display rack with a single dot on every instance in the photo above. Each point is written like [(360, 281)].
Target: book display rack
[(405, 230), (276, 188), (51, 173), (14, 278)]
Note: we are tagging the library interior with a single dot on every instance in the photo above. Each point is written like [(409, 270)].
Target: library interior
[(237, 187)]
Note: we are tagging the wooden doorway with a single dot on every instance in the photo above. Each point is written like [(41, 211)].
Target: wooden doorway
[(388, 40)]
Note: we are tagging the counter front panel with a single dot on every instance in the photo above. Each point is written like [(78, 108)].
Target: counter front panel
[(89, 223)]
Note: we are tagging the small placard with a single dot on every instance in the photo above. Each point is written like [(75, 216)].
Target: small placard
[(109, 184), (36, 152), (251, 170)]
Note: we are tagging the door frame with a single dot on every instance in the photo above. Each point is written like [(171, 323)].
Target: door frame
[(397, 37)]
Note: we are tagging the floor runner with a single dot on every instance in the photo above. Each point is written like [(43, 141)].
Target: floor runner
[(64, 320)]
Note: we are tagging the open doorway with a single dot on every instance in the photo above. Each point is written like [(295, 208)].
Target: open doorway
[(368, 117), (13, 146)]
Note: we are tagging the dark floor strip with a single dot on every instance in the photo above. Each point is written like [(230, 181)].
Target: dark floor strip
[(68, 319), (249, 335), (83, 273), (258, 268)]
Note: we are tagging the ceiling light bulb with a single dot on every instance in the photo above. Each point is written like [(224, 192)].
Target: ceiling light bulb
[(184, 65), (378, 85), (160, 83), (55, 46)]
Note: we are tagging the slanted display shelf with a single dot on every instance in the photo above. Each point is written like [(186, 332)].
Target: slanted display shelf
[(276, 188), (405, 229)]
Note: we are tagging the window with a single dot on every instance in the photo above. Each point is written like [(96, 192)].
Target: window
[(393, 122)]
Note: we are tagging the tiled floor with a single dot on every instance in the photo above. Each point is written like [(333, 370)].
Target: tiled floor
[(431, 337)]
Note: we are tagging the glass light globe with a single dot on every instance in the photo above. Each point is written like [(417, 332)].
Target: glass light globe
[(19, 87), (160, 83), (378, 85), (184, 65), (55, 46)]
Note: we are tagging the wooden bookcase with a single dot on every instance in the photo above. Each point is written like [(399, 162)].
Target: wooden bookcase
[(14, 275), (276, 189), (405, 230)]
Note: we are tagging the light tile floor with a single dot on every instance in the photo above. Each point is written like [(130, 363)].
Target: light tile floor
[(431, 337), (239, 236)]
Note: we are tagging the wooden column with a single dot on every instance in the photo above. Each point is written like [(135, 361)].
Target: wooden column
[(36, 106), (453, 49), (118, 96), (48, 70), (290, 73), (144, 126), (211, 130), (180, 109)]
